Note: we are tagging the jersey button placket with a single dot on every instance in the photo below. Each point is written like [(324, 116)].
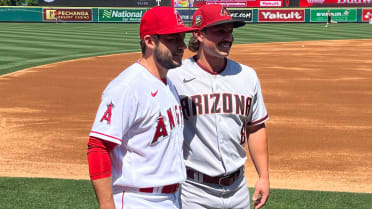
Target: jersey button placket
[(179, 140), (218, 119)]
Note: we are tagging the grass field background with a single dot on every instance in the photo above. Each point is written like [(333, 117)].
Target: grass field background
[(24, 45), (27, 45), (41, 193)]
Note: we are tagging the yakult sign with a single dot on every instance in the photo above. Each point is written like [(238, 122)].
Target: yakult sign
[(281, 15), (366, 15), (335, 3)]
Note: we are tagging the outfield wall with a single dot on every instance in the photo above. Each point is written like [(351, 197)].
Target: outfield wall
[(133, 15)]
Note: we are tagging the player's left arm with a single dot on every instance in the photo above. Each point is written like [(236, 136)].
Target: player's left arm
[(258, 149), (103, 189)]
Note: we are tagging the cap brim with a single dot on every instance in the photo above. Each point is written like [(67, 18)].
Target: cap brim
[(236, 23)]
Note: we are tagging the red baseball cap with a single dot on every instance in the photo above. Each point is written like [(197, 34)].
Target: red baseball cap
[(213, 14), (162, 20)]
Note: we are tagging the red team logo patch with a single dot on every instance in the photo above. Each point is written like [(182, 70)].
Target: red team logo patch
[(108, 113), (160, 129), (171, 118)]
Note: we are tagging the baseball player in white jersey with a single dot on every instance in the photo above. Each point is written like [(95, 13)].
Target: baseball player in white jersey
[(223, 109), (135, 146)]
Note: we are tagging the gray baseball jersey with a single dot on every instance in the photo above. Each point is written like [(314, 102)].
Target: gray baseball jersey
[(217, 107)]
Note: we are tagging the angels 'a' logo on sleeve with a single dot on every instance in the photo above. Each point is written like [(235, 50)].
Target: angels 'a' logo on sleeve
[(108, 113)]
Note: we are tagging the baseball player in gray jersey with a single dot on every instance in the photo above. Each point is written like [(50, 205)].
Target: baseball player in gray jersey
[(223, 110)]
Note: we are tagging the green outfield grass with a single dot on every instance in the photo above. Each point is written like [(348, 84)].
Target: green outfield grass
[(41, 193), (24, 45)]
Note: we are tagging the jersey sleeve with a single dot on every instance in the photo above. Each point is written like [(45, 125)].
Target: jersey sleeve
[(116, 114), (258, 110)]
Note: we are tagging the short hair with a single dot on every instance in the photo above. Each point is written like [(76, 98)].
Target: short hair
[(143, 45)]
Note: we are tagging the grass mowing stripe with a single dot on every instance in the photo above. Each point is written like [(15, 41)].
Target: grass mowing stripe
[(80, 44), (90, 30), (68, 30), (26, 63), (295, 32), (59, 36), (46, 43), (41, 36), (52, 47), (70, 36)]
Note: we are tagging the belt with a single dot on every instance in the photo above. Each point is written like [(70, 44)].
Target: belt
[(172, 188), (224, 180)]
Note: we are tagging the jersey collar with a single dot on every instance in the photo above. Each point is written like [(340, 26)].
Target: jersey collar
[(207, 69)]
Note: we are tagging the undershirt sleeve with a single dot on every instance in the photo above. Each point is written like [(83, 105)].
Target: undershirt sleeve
[(99, 157)]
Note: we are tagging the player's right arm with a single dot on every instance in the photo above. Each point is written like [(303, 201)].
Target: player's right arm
[(100, 171)]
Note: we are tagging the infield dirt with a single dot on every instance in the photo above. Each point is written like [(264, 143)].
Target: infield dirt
[(319, 99)]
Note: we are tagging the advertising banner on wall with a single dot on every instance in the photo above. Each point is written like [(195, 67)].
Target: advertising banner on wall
[(241, 3), (229, 3), (104, 3), (335, 3), (238, 14), (182, 3), (120, 15), (186, 14), (281, 15), (366, 15), (244, 15), (67, 15), (338, 15)]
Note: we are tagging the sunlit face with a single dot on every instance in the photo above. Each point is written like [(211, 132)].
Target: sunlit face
[(169, 50), (217, 40)]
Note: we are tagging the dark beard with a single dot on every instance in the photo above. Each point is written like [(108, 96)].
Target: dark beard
[(165, 60)]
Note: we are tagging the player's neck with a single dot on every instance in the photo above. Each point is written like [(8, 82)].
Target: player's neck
[(153, 67), (212, 64)]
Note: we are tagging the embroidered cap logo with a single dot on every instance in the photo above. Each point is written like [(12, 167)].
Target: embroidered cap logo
[(179, 18), (198, 20), (224, 12)]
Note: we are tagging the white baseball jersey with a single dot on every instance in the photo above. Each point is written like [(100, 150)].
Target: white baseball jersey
[(217, 108), (143, 116)]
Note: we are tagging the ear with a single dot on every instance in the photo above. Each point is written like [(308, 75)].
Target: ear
[(198, 35), (149, 41)]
